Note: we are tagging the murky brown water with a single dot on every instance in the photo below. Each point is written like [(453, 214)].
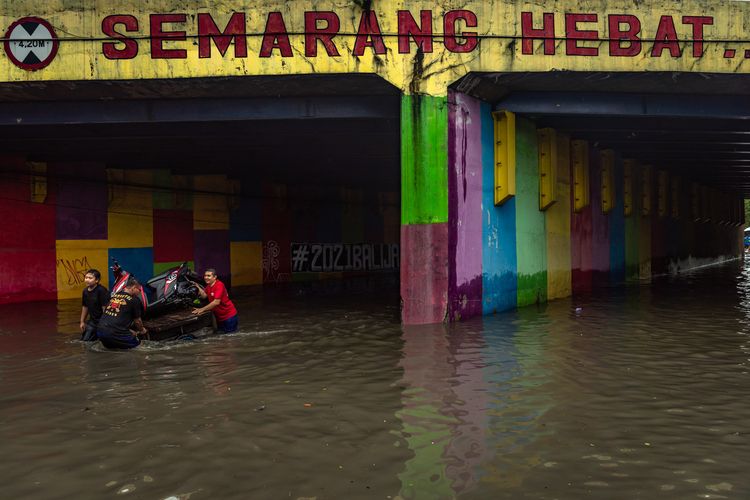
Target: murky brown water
[(643, 393)]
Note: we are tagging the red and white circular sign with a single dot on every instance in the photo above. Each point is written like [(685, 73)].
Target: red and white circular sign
[(31, 43)]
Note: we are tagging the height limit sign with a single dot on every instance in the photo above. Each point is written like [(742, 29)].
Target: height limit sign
[(31, 43)]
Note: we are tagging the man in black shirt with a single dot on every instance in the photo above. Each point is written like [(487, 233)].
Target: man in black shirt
[(95, 299), (123, 313)]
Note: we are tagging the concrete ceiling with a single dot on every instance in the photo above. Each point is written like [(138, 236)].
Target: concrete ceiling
[(695, 125), (312, 130)]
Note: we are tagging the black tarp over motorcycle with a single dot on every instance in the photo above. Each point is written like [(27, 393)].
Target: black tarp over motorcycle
[(168, 299)]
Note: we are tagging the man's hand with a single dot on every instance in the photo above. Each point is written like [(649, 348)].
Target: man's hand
[(197, 311), (83, 327)]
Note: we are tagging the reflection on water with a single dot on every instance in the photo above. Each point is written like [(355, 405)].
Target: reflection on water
[(630, 393)]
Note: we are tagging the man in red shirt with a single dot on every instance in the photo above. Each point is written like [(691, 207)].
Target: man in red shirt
[(218, 302)]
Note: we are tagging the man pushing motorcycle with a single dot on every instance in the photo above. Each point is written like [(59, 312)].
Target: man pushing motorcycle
[(218, 302)]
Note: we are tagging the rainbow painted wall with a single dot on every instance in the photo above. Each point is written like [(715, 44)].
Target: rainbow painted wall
[(62, 219), (504, 256)]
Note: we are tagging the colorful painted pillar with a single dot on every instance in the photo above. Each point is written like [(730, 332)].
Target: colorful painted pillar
[(632, 219), (531, 246), (424, 208), (580, 220), (646, 213), (483, 241), (558, 227), (599, 222), (499, 259), (617, 227), (464, 206)]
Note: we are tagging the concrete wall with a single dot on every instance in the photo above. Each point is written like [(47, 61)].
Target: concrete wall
[(150, 220)]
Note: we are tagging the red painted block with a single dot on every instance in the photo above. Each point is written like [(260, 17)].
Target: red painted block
[(27, 275), (276, 229), (173, 235), (424, 273), (25, 224)]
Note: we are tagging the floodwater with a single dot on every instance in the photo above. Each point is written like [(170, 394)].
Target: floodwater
[(637, 392)]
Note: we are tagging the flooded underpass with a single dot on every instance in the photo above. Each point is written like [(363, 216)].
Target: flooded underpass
[(635, 392)]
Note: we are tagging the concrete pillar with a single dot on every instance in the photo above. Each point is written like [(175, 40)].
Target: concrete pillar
[(531, 245), (424, 209), (557, 225), (617, 229), (464, 206)]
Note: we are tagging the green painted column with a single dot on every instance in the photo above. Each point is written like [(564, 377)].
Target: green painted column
[(424, 159), (531, 235), (424, 209)]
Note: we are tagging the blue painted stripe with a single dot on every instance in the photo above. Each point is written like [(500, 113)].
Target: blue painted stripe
[(499, 262)]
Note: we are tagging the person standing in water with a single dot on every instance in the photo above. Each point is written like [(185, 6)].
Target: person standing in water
[(121, 322), (95, 299), (218, 302)]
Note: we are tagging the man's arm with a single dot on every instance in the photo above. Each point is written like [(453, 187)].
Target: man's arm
[(207, 307), (84, 313), (201, 291), (139, 326)]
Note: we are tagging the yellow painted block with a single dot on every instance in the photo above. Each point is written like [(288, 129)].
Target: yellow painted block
[(608, 180), (646, 188), (675, 186), (547, 140), (211, 202), (557, 227), (38, 173), (628, 168), (579, 154), (505, 156), (130, 217), (246, 260), (662, 192), (73, 258)]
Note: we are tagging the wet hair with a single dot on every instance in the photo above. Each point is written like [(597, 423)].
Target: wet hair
[(132, 282), (211, 270), (94, 272)]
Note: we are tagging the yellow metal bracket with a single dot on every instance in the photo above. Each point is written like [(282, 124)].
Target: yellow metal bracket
[(38, 181), (579, 154), (505, 156), (628, 169), (547, 138)]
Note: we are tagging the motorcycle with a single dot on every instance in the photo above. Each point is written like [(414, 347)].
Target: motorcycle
[(167, 299)]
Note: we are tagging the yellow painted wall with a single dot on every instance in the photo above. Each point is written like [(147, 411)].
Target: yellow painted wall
[(644, 223), (558, 227), (499, 20), (73, 259), (246, 259), (210, 202), (130, 216)]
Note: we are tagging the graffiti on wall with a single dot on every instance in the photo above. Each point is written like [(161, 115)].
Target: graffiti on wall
[(74, 270), (340, 257), (271, 263)]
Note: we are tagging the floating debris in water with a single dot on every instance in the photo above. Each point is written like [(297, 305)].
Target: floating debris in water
[(128, 488)]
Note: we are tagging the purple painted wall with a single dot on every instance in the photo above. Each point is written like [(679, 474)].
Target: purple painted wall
[(81, 201), (464, 206), (212, 250), (599, 223)]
